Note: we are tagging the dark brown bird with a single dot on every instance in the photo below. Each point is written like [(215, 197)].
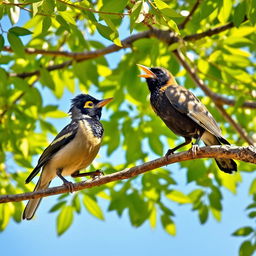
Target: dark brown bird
[(183, 113)]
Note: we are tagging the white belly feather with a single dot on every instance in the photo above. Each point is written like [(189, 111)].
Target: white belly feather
[(76, 155)]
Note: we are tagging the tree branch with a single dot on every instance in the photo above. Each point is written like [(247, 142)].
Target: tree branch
[(218, 99), (246, 154), (188, 18), (212, 95), (236, 126)]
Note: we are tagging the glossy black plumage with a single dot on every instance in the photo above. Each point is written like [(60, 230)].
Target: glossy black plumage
[(183, 113)]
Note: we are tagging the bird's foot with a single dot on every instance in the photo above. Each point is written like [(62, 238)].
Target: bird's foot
[(194, 149), (169, 152), (69, 185)]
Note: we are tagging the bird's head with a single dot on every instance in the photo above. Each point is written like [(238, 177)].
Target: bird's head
[(157, 77), (84, 105)]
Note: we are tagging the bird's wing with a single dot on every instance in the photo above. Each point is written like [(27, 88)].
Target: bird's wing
[(62, 139), (187, 103)]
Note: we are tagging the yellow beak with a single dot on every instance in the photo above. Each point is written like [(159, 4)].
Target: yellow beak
[(149, 73), (102, 103)]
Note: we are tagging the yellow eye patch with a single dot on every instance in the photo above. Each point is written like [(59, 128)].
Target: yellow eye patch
[(88, 104)]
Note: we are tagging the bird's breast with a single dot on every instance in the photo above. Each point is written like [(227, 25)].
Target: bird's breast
[(77, 154), (178, 122)]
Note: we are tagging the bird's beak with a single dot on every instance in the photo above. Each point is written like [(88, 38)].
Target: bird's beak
[(102, 103), (149, 73)]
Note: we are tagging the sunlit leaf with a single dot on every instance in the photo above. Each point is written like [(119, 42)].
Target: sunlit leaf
[(92, 207), (64, 219)]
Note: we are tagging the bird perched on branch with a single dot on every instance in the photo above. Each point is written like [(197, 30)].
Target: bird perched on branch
[(73, 149), (183, 113)]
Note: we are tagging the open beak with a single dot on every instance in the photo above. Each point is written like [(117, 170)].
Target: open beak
[(102, 103), (148, 72)]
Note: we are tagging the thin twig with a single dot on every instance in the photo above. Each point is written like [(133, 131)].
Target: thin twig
[(236, 126), (188, 18), (247, 154)]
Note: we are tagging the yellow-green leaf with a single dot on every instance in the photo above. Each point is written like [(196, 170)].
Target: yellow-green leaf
[(179, 197), (225, 11), (92, 207), (64, 219)]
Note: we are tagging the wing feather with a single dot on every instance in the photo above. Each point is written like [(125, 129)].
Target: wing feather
[(62, 139), (187, 103)]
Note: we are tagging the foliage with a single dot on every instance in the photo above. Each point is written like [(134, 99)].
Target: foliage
[(34, 59)]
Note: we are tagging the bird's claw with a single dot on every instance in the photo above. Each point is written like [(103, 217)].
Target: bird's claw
[(194, 149), (70, 186), (169, 152)]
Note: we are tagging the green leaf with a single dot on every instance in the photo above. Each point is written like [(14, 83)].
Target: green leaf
[(16, 44), (179, 197), (47, 22), (244, 231), (64, 219), (252, 189), (76, 203), (1, 42), (203, 214), (92, 207), (172, 24), (246, 249), (239, 14), (19, 31), (251, 11), (113, 5), (252, 214), (46, 78), (57, 206), (48, 6), (155, 144), (168, 225), (135, 12), (63, 22), (225, 11), (166, 10)]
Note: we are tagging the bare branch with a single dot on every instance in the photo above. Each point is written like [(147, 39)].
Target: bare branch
[(209, 32), (246, 154), (188, 18)]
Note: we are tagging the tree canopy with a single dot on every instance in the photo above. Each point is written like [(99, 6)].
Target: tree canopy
[(58, 45)]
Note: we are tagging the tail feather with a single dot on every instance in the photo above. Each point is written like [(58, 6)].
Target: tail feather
[(225, 165), (33, 204)]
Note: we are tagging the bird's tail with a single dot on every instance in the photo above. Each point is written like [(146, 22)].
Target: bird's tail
[(33, 204), (225, 165)]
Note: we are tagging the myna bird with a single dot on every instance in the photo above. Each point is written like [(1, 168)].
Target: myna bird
[(183, 113), (73, 149)]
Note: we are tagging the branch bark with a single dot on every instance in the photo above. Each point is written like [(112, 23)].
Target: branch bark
[(246, 154), (188, 18)]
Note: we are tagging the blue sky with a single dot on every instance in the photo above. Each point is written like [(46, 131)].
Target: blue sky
[(115, 235)]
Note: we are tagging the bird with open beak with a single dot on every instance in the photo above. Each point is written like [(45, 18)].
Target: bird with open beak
[(184, 113)]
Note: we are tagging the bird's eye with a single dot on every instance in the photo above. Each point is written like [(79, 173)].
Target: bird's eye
[(88, 104)]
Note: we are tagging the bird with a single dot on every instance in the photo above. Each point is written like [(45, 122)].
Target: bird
[(184, 114), (73, 149)]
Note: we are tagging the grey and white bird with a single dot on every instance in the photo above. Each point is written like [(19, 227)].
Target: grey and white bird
[(73, 149)]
